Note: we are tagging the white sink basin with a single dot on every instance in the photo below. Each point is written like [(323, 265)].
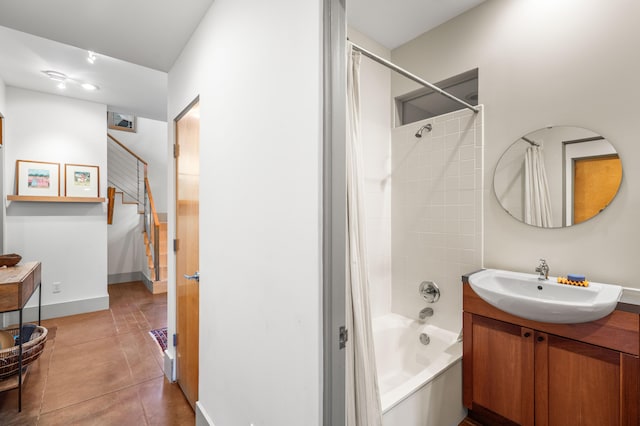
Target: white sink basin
[(525, 296)]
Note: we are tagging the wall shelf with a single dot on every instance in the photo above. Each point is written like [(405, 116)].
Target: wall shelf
[(48, 199)]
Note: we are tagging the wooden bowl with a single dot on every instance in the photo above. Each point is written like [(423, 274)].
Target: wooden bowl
[(10, 259)]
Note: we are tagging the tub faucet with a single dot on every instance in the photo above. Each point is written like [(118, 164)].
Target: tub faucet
[(426, 312), (543, 270)]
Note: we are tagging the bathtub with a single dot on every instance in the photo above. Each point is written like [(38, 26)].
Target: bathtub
[(419, 384)]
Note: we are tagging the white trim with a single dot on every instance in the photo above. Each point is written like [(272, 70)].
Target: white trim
[(334, 209), (169, 366), (124, 277), (202, 418), (57, 310)]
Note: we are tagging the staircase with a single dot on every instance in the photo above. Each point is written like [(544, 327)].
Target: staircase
[(128, 178)]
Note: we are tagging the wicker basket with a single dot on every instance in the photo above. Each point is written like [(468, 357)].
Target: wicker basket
[(31, 350)]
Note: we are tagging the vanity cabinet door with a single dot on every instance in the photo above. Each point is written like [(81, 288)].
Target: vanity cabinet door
[(499, 369), (581, 384)]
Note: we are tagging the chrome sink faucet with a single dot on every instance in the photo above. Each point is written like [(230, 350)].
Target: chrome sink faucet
[(543, 270)]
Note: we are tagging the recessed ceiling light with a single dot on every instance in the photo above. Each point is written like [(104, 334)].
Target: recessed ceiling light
[(55, 75), (62, 80), (89, 86), (92, 57)]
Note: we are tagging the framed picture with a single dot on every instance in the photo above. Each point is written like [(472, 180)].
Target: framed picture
[(37, 178), (119, 121), (81, 180)]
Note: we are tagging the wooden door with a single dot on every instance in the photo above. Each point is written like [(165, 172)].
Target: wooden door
[(187, 249), (595, 183), (499, 370), (582, 385)]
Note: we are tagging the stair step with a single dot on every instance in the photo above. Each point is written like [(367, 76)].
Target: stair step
[(162, 259), (163, 243), (163, 264), (164, 272), (163, 247), (159, 287), (163, 250)]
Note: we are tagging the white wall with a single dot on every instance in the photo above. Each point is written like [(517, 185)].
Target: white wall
[(126, 251), (2, 97), (150, 144), (69, 239), (436, 212), (260, 244), (543, 62), (2, 164), (375, 126)]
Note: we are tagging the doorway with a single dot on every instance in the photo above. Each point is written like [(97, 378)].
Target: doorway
[(596, 181), (187, 246), (2, 181)]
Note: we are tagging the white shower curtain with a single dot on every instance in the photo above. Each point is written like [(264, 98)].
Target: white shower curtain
[(362, 394), (537, 201)]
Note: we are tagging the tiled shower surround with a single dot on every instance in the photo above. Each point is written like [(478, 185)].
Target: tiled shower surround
[(436, 212)]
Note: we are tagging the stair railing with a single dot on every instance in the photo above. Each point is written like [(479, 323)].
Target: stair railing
[(152, 227), (128, 174)]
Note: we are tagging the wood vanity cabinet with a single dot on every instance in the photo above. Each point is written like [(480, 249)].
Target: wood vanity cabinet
[(521, 372)]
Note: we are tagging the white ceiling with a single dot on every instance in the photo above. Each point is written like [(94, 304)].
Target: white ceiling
[(124, 87), (138, 41), (150, 33), (393, 23)]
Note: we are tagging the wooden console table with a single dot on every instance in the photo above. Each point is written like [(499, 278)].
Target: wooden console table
[(17, 285)]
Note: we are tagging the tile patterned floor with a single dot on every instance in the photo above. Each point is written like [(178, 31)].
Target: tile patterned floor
[(102, 368)]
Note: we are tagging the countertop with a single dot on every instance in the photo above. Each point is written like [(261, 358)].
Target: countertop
[(629, 301)]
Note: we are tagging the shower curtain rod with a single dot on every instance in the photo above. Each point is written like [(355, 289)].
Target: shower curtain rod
[(410, 76), (526, 139)]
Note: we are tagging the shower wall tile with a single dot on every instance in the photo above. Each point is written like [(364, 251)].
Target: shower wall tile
[(375, 114), (436, 212), (452, 126)]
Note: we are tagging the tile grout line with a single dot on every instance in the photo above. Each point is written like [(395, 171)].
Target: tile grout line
[(96, 397), (132, 313), (46, 378)]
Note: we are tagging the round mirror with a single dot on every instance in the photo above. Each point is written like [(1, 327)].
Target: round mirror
[(557, 176)]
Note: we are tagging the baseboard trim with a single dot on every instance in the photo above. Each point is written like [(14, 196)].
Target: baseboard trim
[(202, 419), (57, 310), (147, 282), (125, 277), (169, 367)]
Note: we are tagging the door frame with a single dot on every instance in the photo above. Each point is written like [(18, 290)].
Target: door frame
[(4, 211), (571, 150), (334, 198), (173, 232)]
